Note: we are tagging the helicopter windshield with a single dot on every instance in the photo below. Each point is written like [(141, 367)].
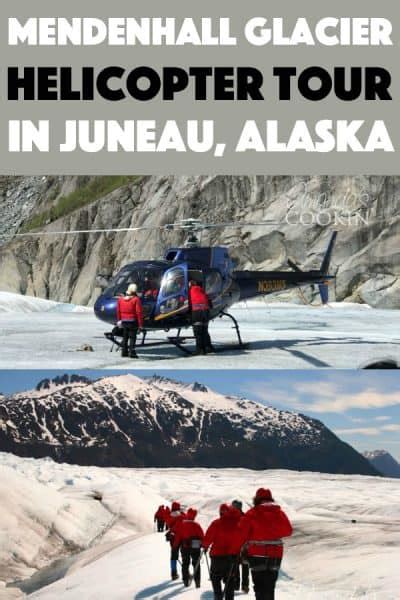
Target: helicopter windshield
[(147, 280), (173, 283), (173, 296)]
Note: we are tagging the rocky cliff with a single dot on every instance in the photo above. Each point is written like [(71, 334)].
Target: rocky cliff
[(365, 211)]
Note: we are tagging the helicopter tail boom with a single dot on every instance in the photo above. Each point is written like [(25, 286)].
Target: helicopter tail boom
[(323, 287), (328, 254)]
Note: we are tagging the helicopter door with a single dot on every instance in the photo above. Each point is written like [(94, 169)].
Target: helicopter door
[(173, 298)]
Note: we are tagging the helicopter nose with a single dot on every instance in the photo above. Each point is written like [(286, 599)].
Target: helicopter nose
[(105, 309)]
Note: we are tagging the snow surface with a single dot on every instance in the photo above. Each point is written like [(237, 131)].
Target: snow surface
[(328, 558), (16, 303), (280, 336)]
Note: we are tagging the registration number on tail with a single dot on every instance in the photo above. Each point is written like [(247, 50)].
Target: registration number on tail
[(271, 286)]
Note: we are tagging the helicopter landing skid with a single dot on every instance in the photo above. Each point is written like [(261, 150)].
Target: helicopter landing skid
[(179, 340), (235, 327)]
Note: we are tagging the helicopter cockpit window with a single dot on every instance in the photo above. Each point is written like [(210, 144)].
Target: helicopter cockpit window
[(173, 283), (213, 282), (151, 284), (148, 282)]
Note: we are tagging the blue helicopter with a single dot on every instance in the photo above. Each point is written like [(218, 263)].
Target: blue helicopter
[(163, 285)]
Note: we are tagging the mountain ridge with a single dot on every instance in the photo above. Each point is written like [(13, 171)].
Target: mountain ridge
[(126, 421), (383, 462)]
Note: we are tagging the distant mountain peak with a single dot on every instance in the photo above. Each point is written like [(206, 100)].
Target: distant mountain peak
[(199, 387), (61, 380), (375, 453), (195, 386), (383, 462)]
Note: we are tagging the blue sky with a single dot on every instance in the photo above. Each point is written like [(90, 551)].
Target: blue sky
[(361, 407)]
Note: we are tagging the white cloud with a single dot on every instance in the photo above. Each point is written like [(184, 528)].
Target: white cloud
[(368, 430), (383, 418), (322, 397), (359, 431), (392, 427), (363, 400)]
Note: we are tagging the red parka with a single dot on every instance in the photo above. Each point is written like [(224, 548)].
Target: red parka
[(198, 299), (223, 534), (129, 308), (187, 531), (173, 520), (264, 523), (160, 514)]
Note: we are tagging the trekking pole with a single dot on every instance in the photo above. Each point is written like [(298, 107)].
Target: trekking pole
[(208, 566), (231, 572)]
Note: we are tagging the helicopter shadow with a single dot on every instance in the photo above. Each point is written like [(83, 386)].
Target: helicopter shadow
[(169, 352)]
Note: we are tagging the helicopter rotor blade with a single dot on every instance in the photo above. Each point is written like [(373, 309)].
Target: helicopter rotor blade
[(77, 231), (196, 226), (241, 224)]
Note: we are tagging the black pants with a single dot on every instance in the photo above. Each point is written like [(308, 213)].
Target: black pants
[(174, 560), (264, 572), (190, 555), (129, 334), (160, 525), (244, 567), (200, 319), (223, 571)]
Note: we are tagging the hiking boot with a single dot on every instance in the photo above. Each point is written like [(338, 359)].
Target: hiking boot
[(197, 584), (174, 576), (186, 582), (245, 589), (124, 354), (133, 355)]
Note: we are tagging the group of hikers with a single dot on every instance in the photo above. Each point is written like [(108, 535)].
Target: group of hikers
[(131, 321), (238, 542)]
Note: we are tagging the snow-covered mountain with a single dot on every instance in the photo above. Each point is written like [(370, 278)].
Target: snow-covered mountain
[(155, 422), (61, 381), (383, 462)]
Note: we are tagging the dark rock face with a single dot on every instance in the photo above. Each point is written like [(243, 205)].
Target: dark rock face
[(61, 380), (384, 463), (125, 421)]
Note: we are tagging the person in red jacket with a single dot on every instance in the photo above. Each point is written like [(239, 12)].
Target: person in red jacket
[(130, 318), (261, 531), (167, 514), (222, 536), (159, 518), (200, 309), (189, 537), (242, 567), (175, 517)]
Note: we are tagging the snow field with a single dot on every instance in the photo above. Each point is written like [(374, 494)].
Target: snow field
[(329, 557), (280, 336)]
